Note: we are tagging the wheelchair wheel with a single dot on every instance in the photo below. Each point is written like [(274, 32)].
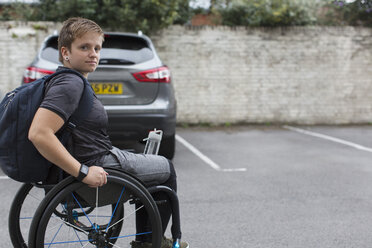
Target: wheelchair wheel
[(63, 220), (21, 211)]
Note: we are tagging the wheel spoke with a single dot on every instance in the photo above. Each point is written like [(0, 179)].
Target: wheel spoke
[(25, 218), (125, 217), (70, 225), (67, 242), (114, 245), (83, 211), (96, 205), (55, 235), (117, 203), (77, 236), (131, 235)]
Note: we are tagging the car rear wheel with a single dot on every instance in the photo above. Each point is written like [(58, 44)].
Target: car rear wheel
[(168, 147)]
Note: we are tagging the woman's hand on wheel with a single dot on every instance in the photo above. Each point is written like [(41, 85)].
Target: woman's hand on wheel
[(96, 177)]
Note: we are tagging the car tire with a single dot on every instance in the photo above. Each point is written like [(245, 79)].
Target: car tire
[(168, 147)]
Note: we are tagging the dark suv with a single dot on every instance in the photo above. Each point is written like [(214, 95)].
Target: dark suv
[(132, 83)]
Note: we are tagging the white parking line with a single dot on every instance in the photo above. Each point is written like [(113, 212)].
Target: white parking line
[(207, 160), (4, 177), (330, 138)]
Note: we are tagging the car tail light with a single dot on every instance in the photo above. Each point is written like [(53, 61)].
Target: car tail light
[(33, 73), (157, 75)]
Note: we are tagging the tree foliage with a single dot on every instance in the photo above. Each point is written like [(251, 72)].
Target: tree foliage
[(291, 12), (123, 15), (152, 15), (340, 12), (268, 13)]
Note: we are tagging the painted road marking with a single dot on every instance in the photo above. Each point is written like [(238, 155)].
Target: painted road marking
[(330, 138), (207, 160)]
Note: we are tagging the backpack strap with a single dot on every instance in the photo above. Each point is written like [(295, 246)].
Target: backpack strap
[(85, 103), (64, 134), (83, 109)]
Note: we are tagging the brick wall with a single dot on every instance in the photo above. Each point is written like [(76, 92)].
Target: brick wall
[(305, 75)]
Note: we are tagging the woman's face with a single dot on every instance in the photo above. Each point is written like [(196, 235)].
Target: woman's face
[(84, 54)]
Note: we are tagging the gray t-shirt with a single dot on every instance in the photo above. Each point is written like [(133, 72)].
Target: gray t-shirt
[(89, 140)]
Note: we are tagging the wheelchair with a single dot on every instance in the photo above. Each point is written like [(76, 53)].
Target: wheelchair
[(72, 214)]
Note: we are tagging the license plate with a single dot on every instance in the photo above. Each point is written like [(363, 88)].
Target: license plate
[(107, 88)]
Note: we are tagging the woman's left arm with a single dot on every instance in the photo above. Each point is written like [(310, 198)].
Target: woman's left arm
[(42, 134)]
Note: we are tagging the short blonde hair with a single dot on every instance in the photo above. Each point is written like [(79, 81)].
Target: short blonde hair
[(73, 28)]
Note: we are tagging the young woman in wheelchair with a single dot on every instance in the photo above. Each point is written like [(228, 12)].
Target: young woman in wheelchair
[(79, 43)]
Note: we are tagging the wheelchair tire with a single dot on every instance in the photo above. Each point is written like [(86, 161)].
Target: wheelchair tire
[(91, 231), (14, 224), (23, 207)]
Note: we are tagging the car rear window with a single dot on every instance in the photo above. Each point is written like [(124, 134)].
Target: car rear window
[(116, 50), (50, 52)]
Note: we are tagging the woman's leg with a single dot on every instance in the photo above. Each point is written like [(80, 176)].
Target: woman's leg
[(152, 170), (165, 208)]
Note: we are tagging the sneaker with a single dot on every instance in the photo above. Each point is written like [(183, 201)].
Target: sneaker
[(165, 243), (168, 243)]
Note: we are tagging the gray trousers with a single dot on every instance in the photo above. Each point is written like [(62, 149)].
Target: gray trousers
[(150, 169)]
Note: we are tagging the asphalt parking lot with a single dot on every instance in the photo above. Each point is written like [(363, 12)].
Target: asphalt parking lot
[(268, 186)]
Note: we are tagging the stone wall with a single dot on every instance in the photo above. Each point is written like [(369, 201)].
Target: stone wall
[(19, 43), (304, 75)]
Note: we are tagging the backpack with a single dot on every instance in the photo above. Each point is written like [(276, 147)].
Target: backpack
[(19, 159)]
